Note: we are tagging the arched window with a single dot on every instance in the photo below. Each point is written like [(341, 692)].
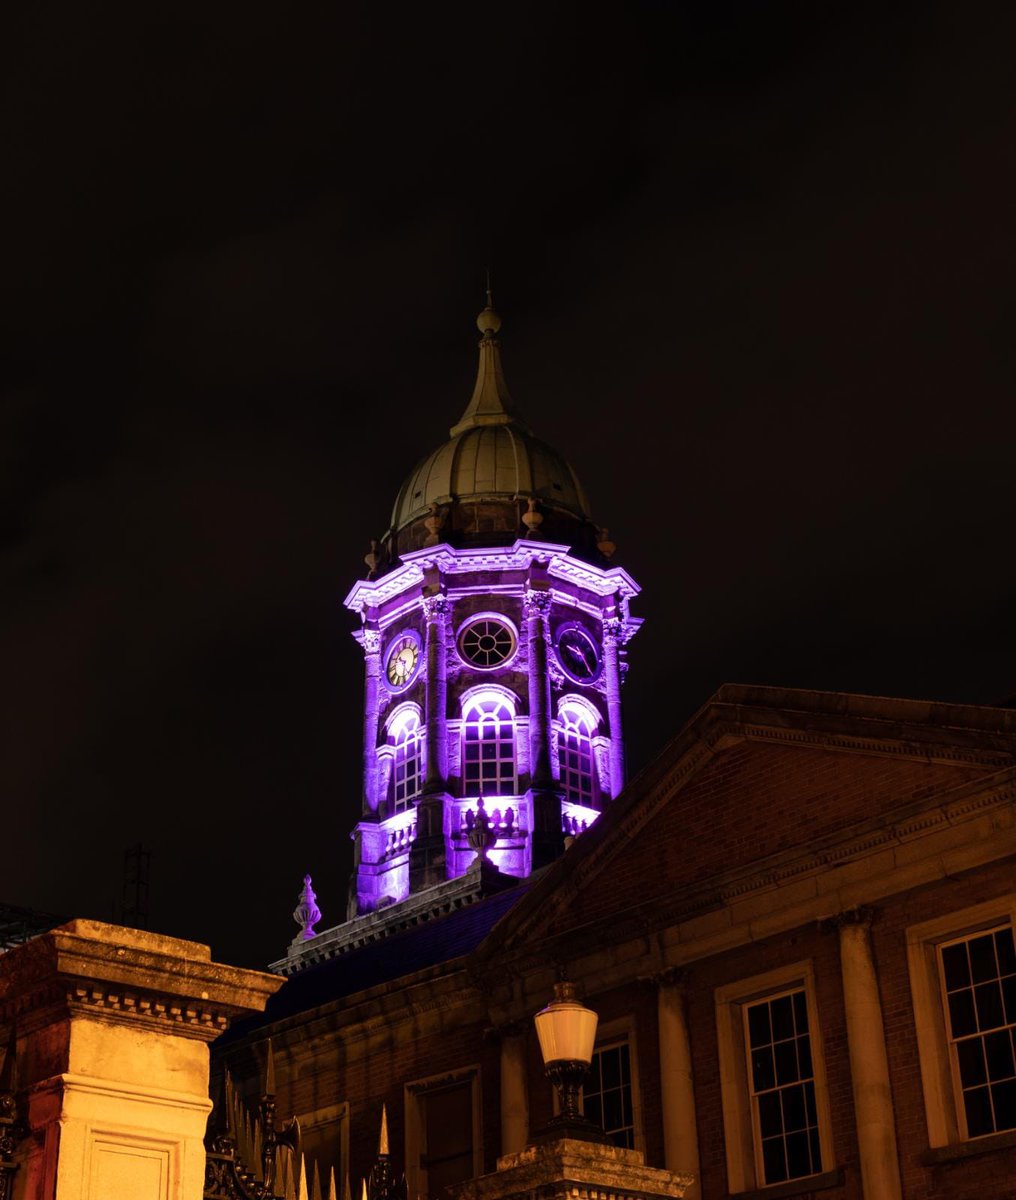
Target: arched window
[(404, 735), (576, 755), (488, 746)]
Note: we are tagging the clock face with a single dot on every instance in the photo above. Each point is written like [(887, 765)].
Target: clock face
[(577, 654), (403, 661)]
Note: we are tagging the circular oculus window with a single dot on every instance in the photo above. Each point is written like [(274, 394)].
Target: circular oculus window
[(487, 643)]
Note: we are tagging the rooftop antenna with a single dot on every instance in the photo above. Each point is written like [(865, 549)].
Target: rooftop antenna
[(137, 865)]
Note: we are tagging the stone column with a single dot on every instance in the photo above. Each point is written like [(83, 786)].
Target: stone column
[(435, 610), (111, 1031), (536, 605), (613, 639), (677, 1092), (547, 835), (428, 855), (514, 1089), (869, 1066), (371, 642)]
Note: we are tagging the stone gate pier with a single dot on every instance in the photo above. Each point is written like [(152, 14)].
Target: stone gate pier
[(104, 1033)]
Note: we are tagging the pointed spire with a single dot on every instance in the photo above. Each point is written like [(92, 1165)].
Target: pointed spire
[(382, 1146), (491, 403)]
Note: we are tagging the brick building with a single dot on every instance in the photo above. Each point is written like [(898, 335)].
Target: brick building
[(796, 925)]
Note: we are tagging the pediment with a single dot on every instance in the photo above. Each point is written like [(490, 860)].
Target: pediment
[(761, 775)]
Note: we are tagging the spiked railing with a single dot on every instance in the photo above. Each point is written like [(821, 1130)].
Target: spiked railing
[(249, 1157)]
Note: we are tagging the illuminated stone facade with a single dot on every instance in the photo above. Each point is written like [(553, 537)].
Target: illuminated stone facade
[(493, 660)]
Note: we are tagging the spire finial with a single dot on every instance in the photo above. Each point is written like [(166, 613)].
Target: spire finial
[(382, 1146), (307, 914), (488, 322)]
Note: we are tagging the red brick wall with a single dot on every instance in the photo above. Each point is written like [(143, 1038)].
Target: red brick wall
[(754, 800)]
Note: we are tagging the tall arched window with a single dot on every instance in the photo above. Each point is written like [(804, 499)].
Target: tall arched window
[(488, 746), (576, 755), (407, 775)]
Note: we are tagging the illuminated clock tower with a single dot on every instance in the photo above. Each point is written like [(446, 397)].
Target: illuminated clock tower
[(493, 629)]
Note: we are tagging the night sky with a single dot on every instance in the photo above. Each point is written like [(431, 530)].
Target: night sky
[(756, 268)]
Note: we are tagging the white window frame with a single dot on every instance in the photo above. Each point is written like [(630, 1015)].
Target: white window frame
[(414, 1092), (614, 1033), (943, 1104), (743, 1147)]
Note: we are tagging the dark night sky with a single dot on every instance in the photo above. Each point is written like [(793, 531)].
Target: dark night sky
[(756, 266)]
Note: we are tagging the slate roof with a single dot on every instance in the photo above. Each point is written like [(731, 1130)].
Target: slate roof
[(425, 945)]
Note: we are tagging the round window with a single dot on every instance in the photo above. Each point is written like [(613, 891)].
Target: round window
[(487, 642)]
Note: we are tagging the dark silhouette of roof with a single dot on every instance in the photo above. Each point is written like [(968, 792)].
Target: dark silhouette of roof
[(428, 944)]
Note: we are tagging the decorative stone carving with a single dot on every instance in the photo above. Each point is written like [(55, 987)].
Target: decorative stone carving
[(307, 914), (371, 641)]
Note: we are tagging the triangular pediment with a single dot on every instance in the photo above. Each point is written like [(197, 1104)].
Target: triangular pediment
[(762, 775)]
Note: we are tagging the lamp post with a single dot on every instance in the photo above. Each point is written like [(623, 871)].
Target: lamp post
[(567, 1031)]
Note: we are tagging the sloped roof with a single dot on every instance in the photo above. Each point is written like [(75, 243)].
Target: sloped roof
[(430, 944)]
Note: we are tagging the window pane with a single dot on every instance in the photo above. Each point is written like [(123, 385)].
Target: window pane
[(998, 1052), (610, 1064), (758, 1025), (982, 958), (956, 966), (770, 1115), (961, 1014), (990, 1013), (977, 1103), (785, 1054), (1009, 994), (798, 1155), (804, 1057), (1003, 1097), (774, 1163), (1006, 950), (793, 1108), (782, 1018), (762, 1070), (970, 1055)]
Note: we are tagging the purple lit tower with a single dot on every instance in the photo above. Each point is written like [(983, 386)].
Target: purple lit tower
[(493, 629)]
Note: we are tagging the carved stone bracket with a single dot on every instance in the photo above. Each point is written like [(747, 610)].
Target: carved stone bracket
[(435, 608), (536, 603)]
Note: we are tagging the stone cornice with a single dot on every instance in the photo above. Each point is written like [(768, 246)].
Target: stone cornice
[(109, 973), (901, 826)]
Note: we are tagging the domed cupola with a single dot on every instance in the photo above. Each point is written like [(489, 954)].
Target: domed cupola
[(493, 481)]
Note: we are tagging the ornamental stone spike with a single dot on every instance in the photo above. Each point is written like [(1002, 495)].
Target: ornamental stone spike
[(306, 914)]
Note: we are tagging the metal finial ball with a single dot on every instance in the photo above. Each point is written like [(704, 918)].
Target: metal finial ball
[(488, 321)]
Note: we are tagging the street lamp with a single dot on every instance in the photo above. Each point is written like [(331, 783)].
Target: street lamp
[(567, 1032)]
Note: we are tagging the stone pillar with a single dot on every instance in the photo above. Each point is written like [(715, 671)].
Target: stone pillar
[(537, 606), (547, 835), (869, 1066), (371, 642), (435, 610), (111, 1030), (677, 1092), (428, 855), (613, 639), (514, 1089)]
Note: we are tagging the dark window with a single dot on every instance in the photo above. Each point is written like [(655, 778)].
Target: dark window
[(576, 756), (782, 1085), (607, 1095), (447, 1120), (979, 978)]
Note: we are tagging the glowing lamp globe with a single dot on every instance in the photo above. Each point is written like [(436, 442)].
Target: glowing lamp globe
[(566, 1029), (567, 1033)]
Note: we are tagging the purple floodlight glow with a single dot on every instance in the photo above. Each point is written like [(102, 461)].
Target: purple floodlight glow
[(514, 695)]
